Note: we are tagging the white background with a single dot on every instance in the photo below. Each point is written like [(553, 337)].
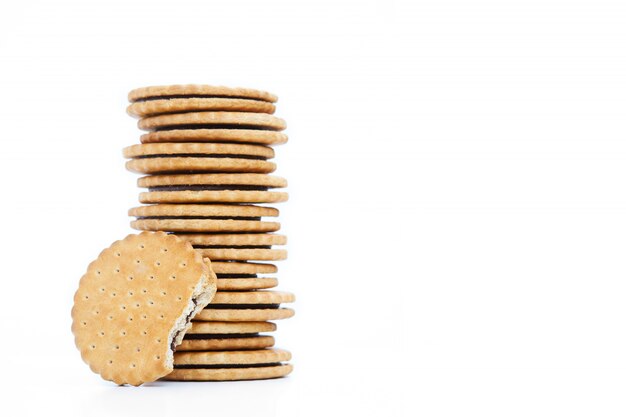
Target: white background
[(457, 215)]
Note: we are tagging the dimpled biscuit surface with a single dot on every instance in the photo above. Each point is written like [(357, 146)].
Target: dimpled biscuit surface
[(133, 305)]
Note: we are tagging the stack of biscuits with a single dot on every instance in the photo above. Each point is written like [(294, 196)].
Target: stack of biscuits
[(206, 157)]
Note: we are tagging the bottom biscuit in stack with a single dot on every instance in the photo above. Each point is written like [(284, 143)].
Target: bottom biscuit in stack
[(230, 365)]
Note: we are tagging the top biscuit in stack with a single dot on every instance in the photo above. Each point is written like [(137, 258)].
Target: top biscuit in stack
[(200, 113)]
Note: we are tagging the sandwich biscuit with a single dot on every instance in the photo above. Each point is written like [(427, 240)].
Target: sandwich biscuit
[(208, 119), (247, 306), (230, 365), (160, 158), (204, 218), (212, 188), (198, 90)]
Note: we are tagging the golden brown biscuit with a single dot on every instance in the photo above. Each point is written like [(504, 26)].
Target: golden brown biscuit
[(263, 137), (186, 104), (135, 303), (198, 90), (209, 118)]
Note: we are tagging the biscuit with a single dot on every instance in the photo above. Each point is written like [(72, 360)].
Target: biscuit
[(159, 158), (205, 149), (245, 254), (203, 218), (263, 137), (193, 164), (134, 304), (230, 374), (254, 239), (226, 269), (245, 284), (233, 357), (187, 104), (223, 327), (212, 188), (206, 119), (247, 306), (230, 365), (198, 90), (203, 211), (242, 276), (238, 247), (204, 225), (224, 342)]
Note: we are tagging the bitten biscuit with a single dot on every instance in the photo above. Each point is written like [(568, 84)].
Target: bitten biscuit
[(135, 303)]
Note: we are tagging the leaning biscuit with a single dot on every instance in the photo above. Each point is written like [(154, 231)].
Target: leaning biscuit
[(135, 303)]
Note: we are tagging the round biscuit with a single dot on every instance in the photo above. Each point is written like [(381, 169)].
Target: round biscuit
[(245, 284), (243, 268), (199, 90), (225, 343), (186, 104), (230, 374), (204, 225), (208, 118), (263, 137), (224, 327), (251, 239), (222, 149), (202, 210), (192, 164), (263, 180), (248, 314), (134, 303), (234, 254), (229, 196), (232, 357)]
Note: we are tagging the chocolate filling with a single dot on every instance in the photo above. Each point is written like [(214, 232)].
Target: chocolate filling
[(219, 336), (232, 247), (187, 320), (226, 365), (228, 276), (241, 306), (197, 218), (200, 187), (202, 155), (175, 96), (211, 126)]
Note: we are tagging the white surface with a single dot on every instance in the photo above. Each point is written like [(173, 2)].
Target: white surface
[(457, 216)]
